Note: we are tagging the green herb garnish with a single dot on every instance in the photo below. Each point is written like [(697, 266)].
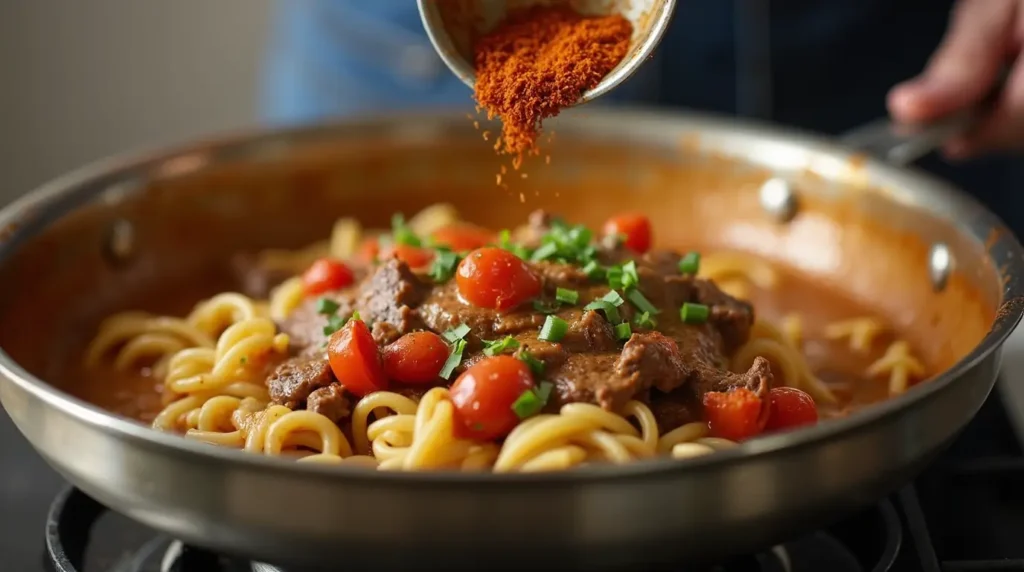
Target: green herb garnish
[(326, 306), (614, 298), (454, 359), (402, 233), (544, 252), (457, 333), (536, 366), (567, 296), (614, 276), (554, 329), (532, 401), (611, 313), (335, 323), (505, 243), (623, 331), (694, 313), (630, 278), (690, 263), (640, 301), (546, 306), (501, 346), (443, 267), (593, 270), (645, 321)]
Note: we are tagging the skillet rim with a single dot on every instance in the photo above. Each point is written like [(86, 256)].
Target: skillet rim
[(34, 211)]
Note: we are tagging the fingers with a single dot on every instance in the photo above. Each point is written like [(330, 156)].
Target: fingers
[(1003, 128), (965, 66)]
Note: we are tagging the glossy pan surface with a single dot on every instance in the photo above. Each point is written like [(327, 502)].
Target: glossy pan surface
[(92, 242)]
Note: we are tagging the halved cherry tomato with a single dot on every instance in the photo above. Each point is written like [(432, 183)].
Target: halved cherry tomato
[(788, 408), (324, 275), (484, 394), (497, 279), (462, 236), (414, 256), (736, 415), (636, 229), (355, 360), (416, 357)]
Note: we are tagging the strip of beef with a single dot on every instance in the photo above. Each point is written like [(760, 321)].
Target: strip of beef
[(330, 401), (292, 382)]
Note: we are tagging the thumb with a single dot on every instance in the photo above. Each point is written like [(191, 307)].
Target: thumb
[(965, 66)]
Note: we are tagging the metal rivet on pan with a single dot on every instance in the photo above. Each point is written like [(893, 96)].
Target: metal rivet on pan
[(940, 265), (119, 243), (778, 199)]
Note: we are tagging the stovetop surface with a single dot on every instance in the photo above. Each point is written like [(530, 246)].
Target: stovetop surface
[(965, 513)]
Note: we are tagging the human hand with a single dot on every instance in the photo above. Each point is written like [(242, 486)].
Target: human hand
[(983, 36)]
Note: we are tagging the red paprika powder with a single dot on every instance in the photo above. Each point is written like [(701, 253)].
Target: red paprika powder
[(539, 60)]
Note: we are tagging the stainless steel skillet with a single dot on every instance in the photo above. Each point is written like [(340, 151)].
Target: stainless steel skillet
[(90, 242)]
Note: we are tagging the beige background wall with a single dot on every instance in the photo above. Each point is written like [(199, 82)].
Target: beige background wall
[(81, 79)]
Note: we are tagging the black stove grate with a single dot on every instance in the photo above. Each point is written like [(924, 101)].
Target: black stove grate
[(964, 514)]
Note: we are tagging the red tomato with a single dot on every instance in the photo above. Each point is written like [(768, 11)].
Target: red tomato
[(324, 275), (636, 229), (483, 397), (789, 407), (497, 279), (414, 256), (355, 360), (736, 415), (368, 251), (415, 358), (462, 236)]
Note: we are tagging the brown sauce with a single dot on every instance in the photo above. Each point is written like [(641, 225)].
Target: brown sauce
[(137, 394)]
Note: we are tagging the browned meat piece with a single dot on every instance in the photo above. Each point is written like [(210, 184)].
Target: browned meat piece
[(391, 294), (589, 332), (757, 379), (384, 333), (652, 359), (675, 409), (305, 326), (732, 317), (330, 401), (292, 381)]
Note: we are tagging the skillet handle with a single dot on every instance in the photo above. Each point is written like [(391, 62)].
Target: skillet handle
[(902, 144)]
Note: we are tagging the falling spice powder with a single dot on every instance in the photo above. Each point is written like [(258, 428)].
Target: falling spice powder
[(540, 60)]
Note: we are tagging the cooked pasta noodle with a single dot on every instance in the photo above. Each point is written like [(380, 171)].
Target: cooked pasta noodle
[(900, 365), (861, 332), (768, 342), (213, 365)]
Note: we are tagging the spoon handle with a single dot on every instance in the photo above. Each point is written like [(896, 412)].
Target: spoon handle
[(902, 144)]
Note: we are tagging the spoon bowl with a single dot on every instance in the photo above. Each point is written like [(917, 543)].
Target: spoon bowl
[(452, 26)]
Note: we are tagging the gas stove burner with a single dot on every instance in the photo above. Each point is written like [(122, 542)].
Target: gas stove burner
[(78, 540)]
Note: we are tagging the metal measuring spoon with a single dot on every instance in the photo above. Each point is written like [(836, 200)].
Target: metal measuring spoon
[(452, 24)]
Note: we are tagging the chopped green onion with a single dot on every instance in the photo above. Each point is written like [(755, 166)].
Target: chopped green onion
[(694, 313), (402, 233), (554, 329), (630, 277), (613, 298), (505, 243), (593, 270), (546, 306), (690, 264), (355, 316), (335, 323), (614, 276), (567, 296), (611, 313), (536, 366), (443, 267), (326, 306), (532, 401), (546, 251), (457, 333), (640, 301), (645, 321), (501, 346), (623, 331), (454, 359)]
